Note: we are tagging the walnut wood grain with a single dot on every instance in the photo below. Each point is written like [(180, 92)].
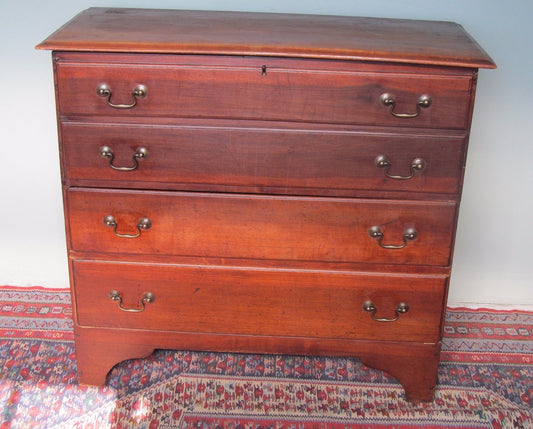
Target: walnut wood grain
[(240, 33), (413, 364), (416, 371), (261, 227), (298, 91), (297, 161), (261, 133), (267, 302)]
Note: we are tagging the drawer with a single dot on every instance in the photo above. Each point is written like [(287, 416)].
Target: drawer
[(260, 227), (258, 302), (288, 161), (284, 93)]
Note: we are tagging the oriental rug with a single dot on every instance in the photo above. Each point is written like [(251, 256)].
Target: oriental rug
[(485, 380)]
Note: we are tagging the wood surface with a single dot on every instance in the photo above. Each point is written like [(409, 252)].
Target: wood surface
[(261, 184), (296, 161), (265, 34), (262, 302), (414, 364), (294, 92), (261, 227)]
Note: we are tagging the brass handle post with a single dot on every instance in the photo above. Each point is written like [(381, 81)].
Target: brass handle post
[(409, 235), (107, 153), (143, 224), (417, 164), (147, 298), (370, 307), (389, 100), (104, 91)]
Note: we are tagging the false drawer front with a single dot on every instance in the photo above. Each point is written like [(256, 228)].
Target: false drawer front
[(258, 302), (284, 161), (260, 227), (281, 94)]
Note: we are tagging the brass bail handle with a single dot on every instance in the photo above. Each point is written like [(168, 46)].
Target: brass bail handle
[(389, 100), (417, 164), (107, 153), (143, 224), (147, 298), (104, 91), (409, 235), (370, 307)]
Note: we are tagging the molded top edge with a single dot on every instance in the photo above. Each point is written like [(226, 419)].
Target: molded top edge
[(269, 34)]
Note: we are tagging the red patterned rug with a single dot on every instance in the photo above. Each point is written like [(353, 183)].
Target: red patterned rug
[(485, 380)]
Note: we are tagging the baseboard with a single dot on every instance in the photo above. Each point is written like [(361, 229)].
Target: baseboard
[(491, 306)]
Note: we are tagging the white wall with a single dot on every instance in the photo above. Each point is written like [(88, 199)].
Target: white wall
[(493, 258)]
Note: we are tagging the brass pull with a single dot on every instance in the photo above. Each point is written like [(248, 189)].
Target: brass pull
[(147, 298), (139, 91), (144, 224), (409, 234), (370, 307), (388, 100), (107, 152), (417, 164)]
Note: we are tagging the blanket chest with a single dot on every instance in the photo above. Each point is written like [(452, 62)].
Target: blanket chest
[(263, 183)]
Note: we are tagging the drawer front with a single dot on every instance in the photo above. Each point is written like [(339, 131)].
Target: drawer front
[(283, 161), (282, 94), (260, 227), (258, 302)]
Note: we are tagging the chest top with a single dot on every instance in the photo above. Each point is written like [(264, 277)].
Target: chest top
[(267, 34)]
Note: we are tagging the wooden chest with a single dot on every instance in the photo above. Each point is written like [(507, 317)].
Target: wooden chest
[(262, 183)]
